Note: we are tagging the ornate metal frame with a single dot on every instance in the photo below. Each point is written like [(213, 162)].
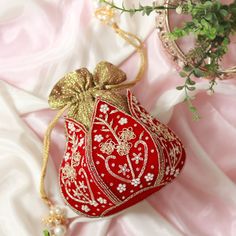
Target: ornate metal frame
[(173, 49)]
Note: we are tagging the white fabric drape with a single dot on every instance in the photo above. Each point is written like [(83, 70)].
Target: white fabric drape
[(42, 40)]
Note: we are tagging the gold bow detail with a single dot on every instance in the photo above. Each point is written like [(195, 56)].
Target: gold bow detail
[(80, 89)]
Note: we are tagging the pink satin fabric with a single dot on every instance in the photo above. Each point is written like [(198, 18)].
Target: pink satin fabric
[(202, 201)]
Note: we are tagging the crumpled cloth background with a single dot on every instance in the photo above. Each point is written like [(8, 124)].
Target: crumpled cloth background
[(42, 40)]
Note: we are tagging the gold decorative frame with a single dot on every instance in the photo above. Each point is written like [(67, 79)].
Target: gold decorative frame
[(174, 50)]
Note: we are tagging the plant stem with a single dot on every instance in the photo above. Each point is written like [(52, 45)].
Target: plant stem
[(146, 9)]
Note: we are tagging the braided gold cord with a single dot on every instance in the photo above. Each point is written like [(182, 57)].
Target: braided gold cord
[(106, 15)]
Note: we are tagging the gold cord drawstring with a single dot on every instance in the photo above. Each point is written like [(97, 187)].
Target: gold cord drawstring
[(106, 15), (46, 145)]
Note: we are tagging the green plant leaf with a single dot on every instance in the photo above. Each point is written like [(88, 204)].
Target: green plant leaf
[(223, 12), (191, 88), (183, 74), (180, 87), (46, 233), (187, 68), (190, 82), (198, 73)]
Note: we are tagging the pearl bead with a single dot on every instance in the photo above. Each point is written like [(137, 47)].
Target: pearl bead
[(179, 10), (59, 230), (51, 212), (58, 211)]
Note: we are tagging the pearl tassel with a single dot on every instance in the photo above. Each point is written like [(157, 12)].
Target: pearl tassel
[(56, 221)]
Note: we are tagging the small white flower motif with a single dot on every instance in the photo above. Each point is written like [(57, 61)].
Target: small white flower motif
[(123, 169), (176, 173), (82, 185), (121, 188), (85, 208), (71, 127), (174, 151), (167, 170), (102, 200), (67, 156), (149, 177), (98, 138), (104, 108), (172, 171), (135, 182), (93, 203), (137, 158), (123, 121)]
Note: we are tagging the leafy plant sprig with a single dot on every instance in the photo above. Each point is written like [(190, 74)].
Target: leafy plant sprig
[(212, 24), (145, 10)]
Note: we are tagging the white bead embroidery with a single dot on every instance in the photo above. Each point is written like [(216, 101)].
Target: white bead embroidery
[(149, 177), (121, 188), (172, 171), (123, 121), (123, 169), (85, 208), (104, 108), (98, 138), (135, 182), (67, 156), (137, 158), (71, 127), (102, 200)]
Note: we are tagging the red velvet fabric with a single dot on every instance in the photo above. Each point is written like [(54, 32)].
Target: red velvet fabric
[(122, 159)]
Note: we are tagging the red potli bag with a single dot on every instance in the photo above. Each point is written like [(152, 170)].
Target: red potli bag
[(116, 153)]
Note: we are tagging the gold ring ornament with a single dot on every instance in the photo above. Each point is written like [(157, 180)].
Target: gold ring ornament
[(177, 54)]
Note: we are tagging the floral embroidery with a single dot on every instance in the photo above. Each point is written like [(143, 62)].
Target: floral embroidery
[(135, 100), (82, 185), (85, 208), (121, 188), (93, 203), (137, 158), (123, 121), (177, 172), (126, 155), (98, 138), (67, 156), (174, 151), (81, 142), (123, 148), (135, 182), (69, 172), (127, 134), (172, 171), (163, 130), (145, 118), (76, 158), (102, 200), (104, 108), (71, 127), (149, 177), (123, 169), (108, 147)]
